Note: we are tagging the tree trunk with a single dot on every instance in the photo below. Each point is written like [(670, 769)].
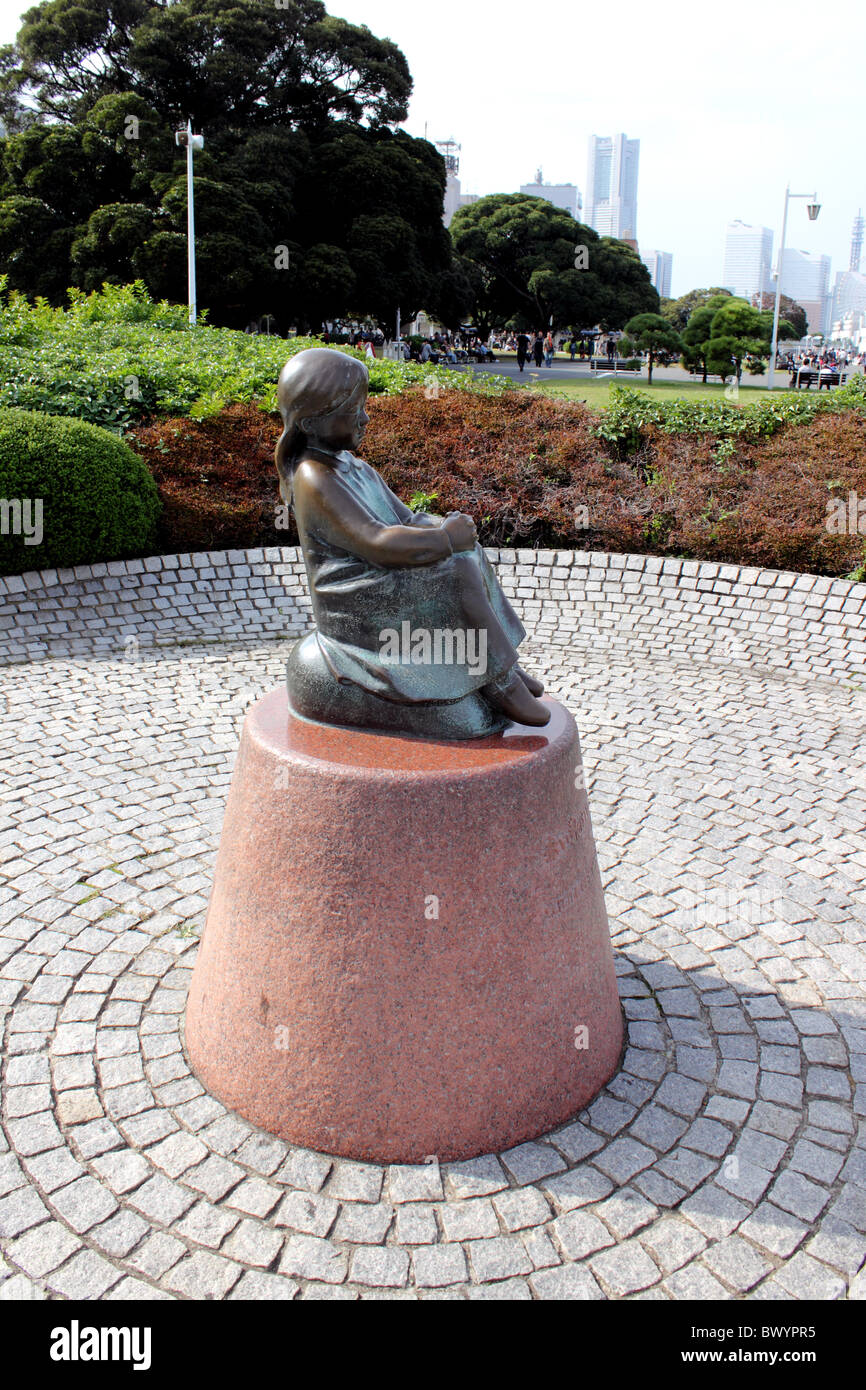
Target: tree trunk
[(704, 377), (649, 380)]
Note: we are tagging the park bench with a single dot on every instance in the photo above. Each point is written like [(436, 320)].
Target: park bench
[(612, 364), (824, 376)]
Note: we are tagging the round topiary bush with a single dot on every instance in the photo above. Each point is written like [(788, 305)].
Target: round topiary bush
[(70, 494)]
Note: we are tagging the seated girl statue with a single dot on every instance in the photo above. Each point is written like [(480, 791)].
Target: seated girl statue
[(413, 633)]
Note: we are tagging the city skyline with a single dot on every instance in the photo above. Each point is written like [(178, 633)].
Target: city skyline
[(719, 141)]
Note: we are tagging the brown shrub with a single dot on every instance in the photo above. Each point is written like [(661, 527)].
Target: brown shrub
[(524, 466)]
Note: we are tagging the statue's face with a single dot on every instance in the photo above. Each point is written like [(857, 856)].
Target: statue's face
[(346, 429)]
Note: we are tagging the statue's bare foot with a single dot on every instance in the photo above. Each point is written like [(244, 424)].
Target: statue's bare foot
[(516, 701), (533, 685)]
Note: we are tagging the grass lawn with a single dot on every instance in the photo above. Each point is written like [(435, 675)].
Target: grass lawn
[(597, 393)]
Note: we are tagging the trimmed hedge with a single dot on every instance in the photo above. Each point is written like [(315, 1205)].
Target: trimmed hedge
[(532, 471), (82, 488)]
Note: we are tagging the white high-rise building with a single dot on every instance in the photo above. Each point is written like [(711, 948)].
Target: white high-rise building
[(748, 260), (659, 264), (450, 151), (562, 195), (806, 279), (611, 186)]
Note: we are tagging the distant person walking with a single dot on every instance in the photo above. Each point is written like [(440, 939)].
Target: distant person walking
[(549, 350), (538, 349), (572, 348), (522, 350)]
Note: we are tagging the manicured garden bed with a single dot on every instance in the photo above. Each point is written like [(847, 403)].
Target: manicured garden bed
[(533, 471)]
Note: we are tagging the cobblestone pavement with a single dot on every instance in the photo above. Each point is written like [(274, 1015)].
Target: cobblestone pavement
[(727, 1159)]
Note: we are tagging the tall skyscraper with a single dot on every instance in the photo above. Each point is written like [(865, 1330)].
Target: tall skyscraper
[(849, 291), (748, 260), (806, 278), (450, 151), (856, 242), (611, 186), (562, 195), (659, 264)]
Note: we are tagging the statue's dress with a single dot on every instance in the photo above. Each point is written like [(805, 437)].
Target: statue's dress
[(356, 602)]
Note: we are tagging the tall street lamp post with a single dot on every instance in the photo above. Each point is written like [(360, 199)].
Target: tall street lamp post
[(192, 142), (813, 207)]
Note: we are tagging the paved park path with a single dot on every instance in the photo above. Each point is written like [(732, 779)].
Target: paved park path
[(726, 1160)]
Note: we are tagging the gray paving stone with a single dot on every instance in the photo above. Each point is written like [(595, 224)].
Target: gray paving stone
[(415, 1183), (257, 1287), (499, 1258), (437, 1266), (736, 1263), (203, 1276), (355, 1182), (86, 1276), (625, 1269), (477, 1177), (799, 1195), (806, 1278), (577, 1188), (531, 1162), (309, 1257), (579, 1234), (379, 1266), (714, 1211), (312, 1213), (673, 1242), (43, 1248), (568, 1283), (416, 1225)]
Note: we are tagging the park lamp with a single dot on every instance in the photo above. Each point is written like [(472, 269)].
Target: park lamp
[(184, 137), (813, 207)]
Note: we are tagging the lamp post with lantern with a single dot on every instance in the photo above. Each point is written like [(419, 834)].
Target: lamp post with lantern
[(185, 137), (813, 207)]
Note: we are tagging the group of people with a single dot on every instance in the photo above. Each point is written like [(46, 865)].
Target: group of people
[(827, 364), (541, 349), (446, 349)]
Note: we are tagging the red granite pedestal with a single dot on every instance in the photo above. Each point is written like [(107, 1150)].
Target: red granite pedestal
[(407, 951)]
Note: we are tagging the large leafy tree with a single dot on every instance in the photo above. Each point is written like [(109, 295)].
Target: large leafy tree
[(308, 203), (224, 62), (536, 266)]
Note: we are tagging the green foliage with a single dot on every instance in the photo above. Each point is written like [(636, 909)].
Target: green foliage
[(99, 502), (422, 501), (679, 312), (523, 255), (652, 334), (115, 357), (632, 415), (308, 204)]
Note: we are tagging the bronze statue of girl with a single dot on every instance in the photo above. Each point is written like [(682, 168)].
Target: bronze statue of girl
[(413, 632)]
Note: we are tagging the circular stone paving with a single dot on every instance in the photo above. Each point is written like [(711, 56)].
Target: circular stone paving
[(726, 1159)]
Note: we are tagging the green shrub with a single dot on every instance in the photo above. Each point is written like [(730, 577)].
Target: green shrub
[(98, 500), (115, 358)]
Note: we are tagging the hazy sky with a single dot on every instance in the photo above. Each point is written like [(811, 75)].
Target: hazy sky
[(729, 104)]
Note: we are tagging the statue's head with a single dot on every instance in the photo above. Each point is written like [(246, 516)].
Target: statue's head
[(321, 394)]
